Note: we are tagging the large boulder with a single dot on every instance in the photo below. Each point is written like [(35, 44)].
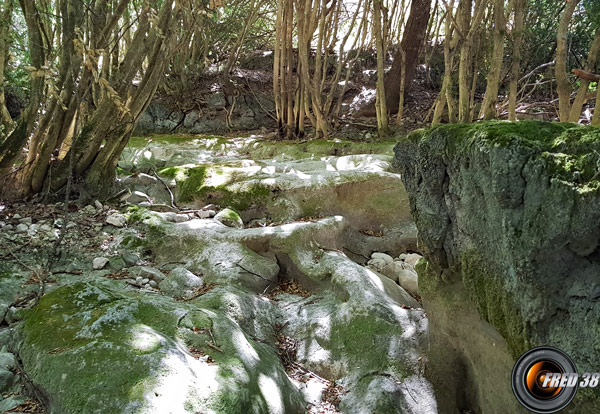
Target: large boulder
[(508, 218), (95, 347)]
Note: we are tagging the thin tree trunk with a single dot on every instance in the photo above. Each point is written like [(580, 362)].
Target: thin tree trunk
[(5, 30), (519, 26), (563, 87), (380, 101), (488, 107), (582, 93)]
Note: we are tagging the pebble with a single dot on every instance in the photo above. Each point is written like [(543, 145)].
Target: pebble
[(116, 219), (89, 209), (138, 280), (98, 205), (149, 273), (99, 263), (130, 258), (7, 361), (46, 228), (180, 218), (26, 220), (138, 197), (6, 380), (17, 216), (145, 281), (203, 214), (21, 228), (153, 284)]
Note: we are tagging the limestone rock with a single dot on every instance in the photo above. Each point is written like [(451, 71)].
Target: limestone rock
[(137, 197), (7, 361), (510, 241), (6, 379), (116, 219), (180, 283), (21, 228), (230, 218), (136, 353), (380, 260), (148, 272), (412, 259), (130, 259), (99, 263)]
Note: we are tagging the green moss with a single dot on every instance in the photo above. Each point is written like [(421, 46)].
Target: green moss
[(78, 332), (494, 302), (220, 183), (139, 142), (359, 338), (570, 152)]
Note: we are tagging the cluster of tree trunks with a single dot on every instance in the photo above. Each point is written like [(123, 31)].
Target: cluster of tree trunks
[(79, 119)]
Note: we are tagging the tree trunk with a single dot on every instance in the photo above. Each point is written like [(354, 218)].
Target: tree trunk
[(380, 101), (5, 31), (582, 93), (488, 107), (519, 26), (412, 42), (563, 87)]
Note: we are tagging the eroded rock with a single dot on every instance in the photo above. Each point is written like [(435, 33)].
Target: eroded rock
[(511, 242)]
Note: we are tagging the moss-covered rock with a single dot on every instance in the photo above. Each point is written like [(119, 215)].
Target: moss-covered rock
[(508, 217), (95, 347)]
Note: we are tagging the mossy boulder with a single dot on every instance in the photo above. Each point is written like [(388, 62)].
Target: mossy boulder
[(508, 218), (96, 347), (230, 218)]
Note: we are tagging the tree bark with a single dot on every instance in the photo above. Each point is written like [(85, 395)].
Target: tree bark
[(563, 87), (582, 92), (412, 43), (519, 26), (488, 107)]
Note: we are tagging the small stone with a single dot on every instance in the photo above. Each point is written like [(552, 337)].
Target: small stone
[(148, 272), (180, 283), (138, 280), (153, 284), (138, 197), (99, 263), (12, 315), (6, 380), (98, 205), (45, 228), (17, 216), (412, 259), (21, 228), (203, 214), (130, 259), (380, 260), (26, 220), (7, 361), (8, 227), (145, 281), (116, 219), (89, 209), (230, 218), (5, 334), (11, 403), (180, 218)]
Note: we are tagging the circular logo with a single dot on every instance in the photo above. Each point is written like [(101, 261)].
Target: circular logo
[(544, 380)]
